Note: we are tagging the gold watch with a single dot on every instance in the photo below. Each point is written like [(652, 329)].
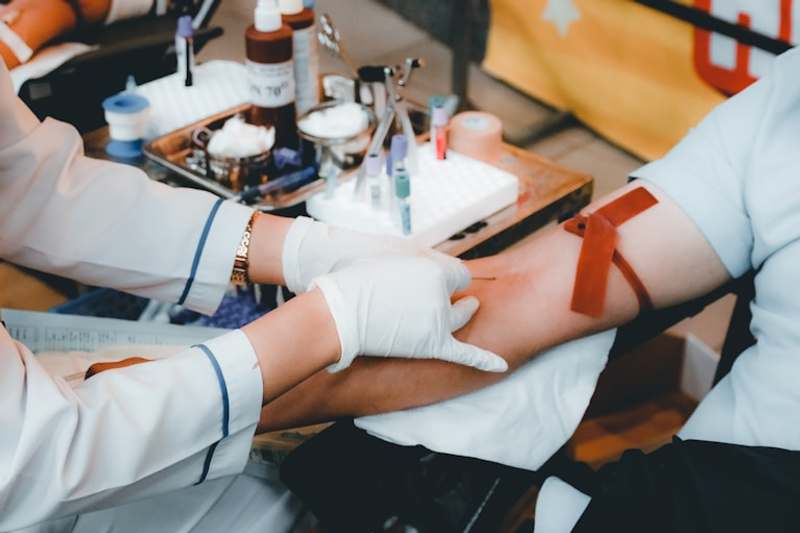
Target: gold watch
[(239, 275)]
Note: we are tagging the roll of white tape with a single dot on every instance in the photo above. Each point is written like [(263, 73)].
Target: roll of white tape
[(126, 115), (478, 135)]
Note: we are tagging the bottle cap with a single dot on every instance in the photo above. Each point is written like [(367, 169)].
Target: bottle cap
[(184, 26), (399, 147), (440, 117), (402, 185), (290, 7), (268, 16), (437, 100), (373, 164)]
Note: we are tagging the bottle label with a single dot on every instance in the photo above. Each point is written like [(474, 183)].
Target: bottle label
[(271, 84)]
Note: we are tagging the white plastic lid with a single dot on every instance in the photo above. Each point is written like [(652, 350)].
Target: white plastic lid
[(291, 7), (268, 16)]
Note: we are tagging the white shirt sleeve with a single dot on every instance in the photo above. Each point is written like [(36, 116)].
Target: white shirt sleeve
[(141, 430), (108, 224), (123, 434), (706, 173)]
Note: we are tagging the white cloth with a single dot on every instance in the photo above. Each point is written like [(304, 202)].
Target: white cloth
[(129, 434), (520, 421), (736, 175)]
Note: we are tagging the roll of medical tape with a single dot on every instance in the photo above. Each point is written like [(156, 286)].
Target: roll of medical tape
[(478, 135)]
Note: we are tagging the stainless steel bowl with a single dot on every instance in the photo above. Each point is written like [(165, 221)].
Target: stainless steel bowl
[(342, 150)]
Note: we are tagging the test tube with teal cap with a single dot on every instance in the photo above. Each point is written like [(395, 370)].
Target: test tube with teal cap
[(396, 163), (402, 189)]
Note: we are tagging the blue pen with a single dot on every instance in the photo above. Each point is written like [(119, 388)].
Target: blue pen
[(251, 194)]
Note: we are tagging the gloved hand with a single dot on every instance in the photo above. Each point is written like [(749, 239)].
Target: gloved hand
[(313, 248), (396, 305)]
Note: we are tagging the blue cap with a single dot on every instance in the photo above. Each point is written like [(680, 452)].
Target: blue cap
[(125, 149), (125, 103), (437, 100), (184, 26), (399, 147), (402, 185), (373, 164)]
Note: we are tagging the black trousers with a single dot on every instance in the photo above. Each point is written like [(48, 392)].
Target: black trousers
[(697, 486)]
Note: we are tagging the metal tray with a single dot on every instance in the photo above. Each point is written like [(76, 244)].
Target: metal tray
[(171, 150)]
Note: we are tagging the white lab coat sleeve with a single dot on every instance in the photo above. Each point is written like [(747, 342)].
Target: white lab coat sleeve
[(123, 434), (107, 224)]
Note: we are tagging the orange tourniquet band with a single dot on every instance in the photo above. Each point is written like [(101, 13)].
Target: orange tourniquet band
[(599, 232), (96, 368)]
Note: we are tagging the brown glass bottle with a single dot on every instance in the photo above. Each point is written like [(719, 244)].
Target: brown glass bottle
[(270, 73)]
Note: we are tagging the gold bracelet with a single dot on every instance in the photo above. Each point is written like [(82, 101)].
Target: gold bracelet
[(239, 274)]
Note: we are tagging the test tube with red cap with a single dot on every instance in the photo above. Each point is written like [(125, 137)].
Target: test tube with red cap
[(440, 122)]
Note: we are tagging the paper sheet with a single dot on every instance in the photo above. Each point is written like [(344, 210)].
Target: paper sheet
[(67, 345), (56, 332)]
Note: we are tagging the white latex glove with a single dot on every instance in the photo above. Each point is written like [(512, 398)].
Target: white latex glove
[(313, 248), (396, 305)]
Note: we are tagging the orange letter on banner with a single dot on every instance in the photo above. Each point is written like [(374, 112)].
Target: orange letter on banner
[(731, 80)]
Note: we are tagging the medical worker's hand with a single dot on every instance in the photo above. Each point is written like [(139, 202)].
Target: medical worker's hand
[(313, 248), (396, 305)]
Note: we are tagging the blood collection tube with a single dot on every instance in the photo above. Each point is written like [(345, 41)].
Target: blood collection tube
[(402, 190), (441, 126), (396, 163)]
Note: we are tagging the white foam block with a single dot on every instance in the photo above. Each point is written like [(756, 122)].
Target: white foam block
[(447, 196), (218, 86)]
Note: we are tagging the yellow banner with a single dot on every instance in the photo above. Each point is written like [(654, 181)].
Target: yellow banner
[(625, 70)]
